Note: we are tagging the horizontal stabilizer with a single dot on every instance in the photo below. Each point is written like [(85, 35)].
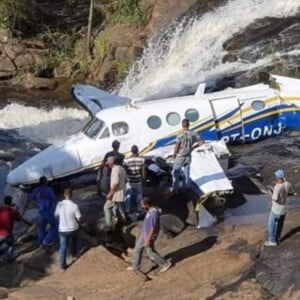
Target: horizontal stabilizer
[(94, 99)]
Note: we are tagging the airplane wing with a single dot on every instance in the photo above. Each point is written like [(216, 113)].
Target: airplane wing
[(206, 171), (94, 99)]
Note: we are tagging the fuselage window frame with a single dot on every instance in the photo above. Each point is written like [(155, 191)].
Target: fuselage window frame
[(173, 118), (157, 122), (192, 111), (258, 105)]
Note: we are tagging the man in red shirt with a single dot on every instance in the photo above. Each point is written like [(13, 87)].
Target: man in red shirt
[(8, 215)]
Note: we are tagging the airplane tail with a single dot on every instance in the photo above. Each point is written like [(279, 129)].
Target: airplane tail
[(94, 100)]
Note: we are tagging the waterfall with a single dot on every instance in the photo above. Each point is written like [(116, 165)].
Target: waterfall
[(194, 50)]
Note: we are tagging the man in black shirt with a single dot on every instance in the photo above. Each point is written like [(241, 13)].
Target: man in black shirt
[(103, 176)]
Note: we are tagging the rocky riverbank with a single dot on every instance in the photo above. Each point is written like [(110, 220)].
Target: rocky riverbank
[(227, 261)]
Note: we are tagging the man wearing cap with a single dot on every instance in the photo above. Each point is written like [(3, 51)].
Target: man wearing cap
[(281, 191), (182, 154), (103, 176)]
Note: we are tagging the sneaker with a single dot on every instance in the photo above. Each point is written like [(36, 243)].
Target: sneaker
[(166, 267), (270, 244)]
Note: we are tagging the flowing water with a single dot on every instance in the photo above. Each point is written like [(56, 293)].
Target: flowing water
[(193, 52), (181, 57)]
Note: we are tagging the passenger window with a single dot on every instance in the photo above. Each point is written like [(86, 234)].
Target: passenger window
[(105, 134), (192, 115), (258, 105), (154, 122), (173, 118), (120, 128)]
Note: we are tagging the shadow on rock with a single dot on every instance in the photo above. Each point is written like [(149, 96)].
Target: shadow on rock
[(192, 250)]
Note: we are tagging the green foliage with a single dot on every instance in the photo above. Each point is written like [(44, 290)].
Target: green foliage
[(61, 47), (129, 12), (13, 13), (121, 67), (101, 46)]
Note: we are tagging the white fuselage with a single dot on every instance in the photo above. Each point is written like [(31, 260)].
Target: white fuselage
[(234, 115)]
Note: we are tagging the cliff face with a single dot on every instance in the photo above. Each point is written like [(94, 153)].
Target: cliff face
[(53, 44), (57, 47)]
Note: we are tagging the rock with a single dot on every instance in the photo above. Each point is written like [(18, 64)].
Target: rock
[(5, 35), (278, 268), (37, 293), (13, 50), (171, 223), (3, 293), (248, 290), (32, 82), (127, 53), (230, 57), (7, 67)]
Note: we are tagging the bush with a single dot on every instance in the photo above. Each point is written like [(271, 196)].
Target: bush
[(129, 12), (15, 13), (121, 67), (101, 46)]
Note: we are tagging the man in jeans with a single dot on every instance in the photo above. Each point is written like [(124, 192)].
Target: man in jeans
[(114, 204), (69, 217), (8, 215), (278, 210), (135, 170), (182, 155), (149, 234), (103, 175), (45, 198)]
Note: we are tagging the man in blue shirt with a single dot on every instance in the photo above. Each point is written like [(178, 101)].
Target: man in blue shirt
[(45, 198), (149, 234)]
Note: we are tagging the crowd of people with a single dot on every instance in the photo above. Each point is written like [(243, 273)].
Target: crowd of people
[(120, 181)]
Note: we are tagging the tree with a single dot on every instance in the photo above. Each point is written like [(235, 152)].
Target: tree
[(89, 30)]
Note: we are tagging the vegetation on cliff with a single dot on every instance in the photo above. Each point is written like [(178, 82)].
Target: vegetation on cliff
[(62, 28)]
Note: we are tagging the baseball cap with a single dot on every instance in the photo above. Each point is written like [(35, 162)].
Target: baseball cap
[(279, 174)]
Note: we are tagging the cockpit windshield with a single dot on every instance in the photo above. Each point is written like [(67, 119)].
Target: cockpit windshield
[(93, 128)]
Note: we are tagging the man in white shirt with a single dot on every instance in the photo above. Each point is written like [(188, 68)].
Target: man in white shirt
[(69, 217), (281, 191)]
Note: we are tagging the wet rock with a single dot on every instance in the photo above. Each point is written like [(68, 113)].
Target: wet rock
[(264, 29), (32, 82), (127, 53), (230, 57)]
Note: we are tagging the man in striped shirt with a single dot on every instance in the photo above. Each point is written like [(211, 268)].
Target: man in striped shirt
[(135, 169)]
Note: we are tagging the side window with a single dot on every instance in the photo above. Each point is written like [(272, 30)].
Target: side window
[(192, 115), (258, 105), (105, 134), (120, 128), (173, 118), (154, 122)]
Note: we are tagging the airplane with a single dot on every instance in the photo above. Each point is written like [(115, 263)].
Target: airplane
[(233, 115)]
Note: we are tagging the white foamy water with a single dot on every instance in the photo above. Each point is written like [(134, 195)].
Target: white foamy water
[(195, 50), (41, 125)]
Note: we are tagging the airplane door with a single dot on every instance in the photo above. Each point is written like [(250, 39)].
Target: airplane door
[(228, 120)]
